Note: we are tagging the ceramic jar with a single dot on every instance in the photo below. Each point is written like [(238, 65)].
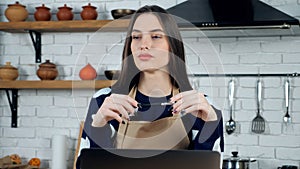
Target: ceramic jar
[(42, 13), (8, 72), (64, 13), (88, 72), (16, 12), (89, 12), (47, 71)]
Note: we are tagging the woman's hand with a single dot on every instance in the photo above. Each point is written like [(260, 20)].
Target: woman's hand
[(115, 106), (193, 102)]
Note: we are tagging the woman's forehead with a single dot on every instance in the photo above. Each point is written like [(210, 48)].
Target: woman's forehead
[(147, 23)]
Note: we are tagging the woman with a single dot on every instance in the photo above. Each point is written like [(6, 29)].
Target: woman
[(153, 65)]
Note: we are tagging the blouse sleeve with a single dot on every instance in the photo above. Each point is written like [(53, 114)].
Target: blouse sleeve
[(95, 137), (205, 135)]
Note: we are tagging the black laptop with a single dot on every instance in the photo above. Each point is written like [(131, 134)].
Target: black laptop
[(148, 159)]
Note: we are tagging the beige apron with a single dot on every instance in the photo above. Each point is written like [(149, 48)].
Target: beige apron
[(165, 133)]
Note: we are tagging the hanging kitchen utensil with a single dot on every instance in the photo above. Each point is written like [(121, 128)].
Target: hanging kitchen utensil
[(258, 123), (231, 124), (287, 118)]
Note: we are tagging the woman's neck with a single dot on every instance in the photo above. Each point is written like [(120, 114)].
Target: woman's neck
[(155, 84)]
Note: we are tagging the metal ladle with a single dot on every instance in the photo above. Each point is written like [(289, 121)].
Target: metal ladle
[(287, 118), (231, 124)]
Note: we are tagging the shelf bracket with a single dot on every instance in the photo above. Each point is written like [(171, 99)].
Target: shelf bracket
[(13, 103), (37, 44)]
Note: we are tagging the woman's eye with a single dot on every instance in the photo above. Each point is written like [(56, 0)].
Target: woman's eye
[(156, 36), (136, 37)]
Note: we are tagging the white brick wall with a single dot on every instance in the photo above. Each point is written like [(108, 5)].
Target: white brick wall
[(44, 113), (18, 133)]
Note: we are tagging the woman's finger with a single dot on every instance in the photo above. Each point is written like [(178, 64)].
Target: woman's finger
[(121, 110), (186, 102), (110, 114), (104, 115), (181, 95), (188, 99), (126, 102), (122, 98)]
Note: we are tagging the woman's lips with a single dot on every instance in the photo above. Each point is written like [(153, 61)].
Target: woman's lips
[(145, 57)]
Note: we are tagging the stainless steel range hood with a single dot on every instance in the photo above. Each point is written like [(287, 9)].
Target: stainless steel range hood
[(231, 14)]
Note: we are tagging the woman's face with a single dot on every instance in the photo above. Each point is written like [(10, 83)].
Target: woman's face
[(149, 46)]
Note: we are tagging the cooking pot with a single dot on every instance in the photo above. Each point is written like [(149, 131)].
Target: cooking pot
[(288, 167), (235, 162)]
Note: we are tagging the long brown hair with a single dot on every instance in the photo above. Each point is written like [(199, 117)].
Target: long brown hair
[(130, 74)]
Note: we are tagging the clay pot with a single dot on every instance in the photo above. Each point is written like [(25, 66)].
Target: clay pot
[(8, 72), (88, 73), (16, 12), (42, 13), (47, 71), (64, 13), (89, 12)]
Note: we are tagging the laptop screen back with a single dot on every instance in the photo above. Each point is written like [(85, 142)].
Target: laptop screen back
[(149, 159)]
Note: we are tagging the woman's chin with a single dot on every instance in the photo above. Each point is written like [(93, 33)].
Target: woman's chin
[(148, 70), (153, 70)]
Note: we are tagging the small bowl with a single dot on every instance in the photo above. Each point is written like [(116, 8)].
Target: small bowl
[(121, 13), (112, 74)]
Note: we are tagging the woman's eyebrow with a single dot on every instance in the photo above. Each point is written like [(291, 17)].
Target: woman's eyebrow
[(153, 30)]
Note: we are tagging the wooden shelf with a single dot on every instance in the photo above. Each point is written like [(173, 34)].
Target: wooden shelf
[(65, 26), (14, 86), (55, 84)]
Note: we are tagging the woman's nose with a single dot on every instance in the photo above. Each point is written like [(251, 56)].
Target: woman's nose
[(146, 43)]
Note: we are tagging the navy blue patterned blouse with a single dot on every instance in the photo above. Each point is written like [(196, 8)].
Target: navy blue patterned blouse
[(203, 135)]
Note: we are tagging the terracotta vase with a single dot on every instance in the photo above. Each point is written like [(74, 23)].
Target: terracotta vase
[(64, 13), (16, 12), (89, 12), (8, 72), (88, 73), (47, 71), (42, 13)]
